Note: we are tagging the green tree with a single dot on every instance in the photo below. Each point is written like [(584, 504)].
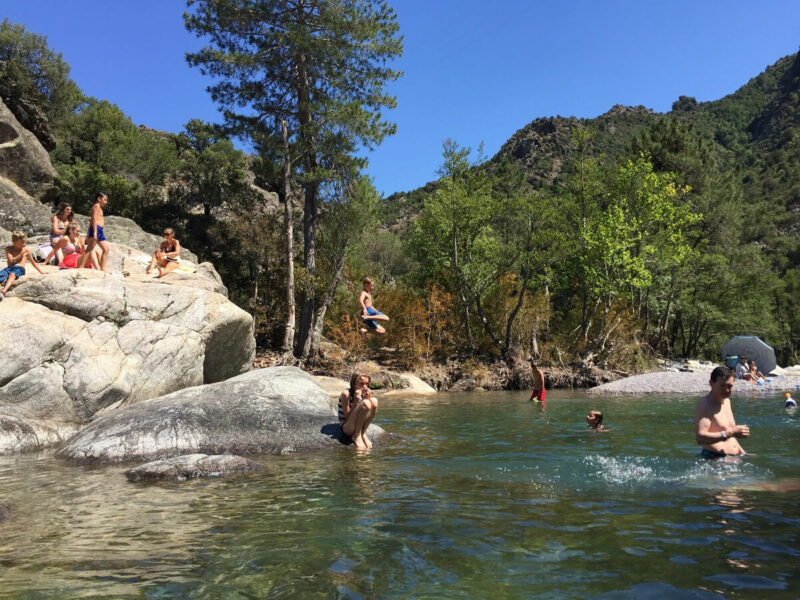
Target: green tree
[(453, 237), (212, 177), (319, 66), (35, 82)]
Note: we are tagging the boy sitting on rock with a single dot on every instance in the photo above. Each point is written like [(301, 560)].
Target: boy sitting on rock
[(16, 255)]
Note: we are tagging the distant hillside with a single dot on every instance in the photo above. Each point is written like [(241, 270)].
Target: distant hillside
[(755, 130)]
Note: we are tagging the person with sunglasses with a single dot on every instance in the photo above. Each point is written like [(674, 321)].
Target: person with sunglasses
[(715, 429), (167, 256)]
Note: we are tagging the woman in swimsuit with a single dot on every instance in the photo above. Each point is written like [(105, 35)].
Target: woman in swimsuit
[(70, 247), (167, 256), (58, 226), (357, 408)]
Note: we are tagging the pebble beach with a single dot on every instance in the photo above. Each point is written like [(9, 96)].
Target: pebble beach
[(686, 382)]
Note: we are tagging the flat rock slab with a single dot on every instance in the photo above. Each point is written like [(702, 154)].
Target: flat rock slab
[(266, 411), (333, 386), (416, 387), (193, 466)]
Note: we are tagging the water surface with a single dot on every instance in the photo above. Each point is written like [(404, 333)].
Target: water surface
[(481, 495)]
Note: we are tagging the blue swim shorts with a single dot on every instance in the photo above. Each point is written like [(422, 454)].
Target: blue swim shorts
[(16, 270), (100, 235), (372, 323)]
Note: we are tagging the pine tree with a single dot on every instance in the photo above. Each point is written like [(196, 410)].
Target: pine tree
[(322, 67)]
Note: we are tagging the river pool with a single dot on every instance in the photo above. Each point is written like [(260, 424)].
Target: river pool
[(480, 495)]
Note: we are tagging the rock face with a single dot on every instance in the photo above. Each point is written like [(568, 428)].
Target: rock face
[(79, 341), (23, 159), (274, 410), (192, 466), (19, 211)]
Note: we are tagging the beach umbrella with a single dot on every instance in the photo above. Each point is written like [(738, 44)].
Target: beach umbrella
[(754, 348)]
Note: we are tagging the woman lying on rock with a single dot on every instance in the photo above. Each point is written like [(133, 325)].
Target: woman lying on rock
[(71, 247), (167, 256), (357, 408)]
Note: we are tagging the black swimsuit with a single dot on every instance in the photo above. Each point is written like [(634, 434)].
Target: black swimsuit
[(351, 401)]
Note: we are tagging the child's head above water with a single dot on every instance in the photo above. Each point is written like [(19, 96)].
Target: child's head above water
[(595, 419)]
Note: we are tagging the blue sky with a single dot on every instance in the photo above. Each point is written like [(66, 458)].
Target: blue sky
[(475, 71)]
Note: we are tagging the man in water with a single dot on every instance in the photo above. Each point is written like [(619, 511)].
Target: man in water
[(538, 394), (714, 426)]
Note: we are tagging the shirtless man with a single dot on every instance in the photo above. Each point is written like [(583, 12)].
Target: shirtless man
[(714, 426), (96, 237), (538, 394)]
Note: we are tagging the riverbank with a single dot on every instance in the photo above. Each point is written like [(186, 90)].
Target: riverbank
[(454, 375)]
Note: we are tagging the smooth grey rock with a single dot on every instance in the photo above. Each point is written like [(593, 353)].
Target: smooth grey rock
[(22, 434), (267, 411), (192, 466), (18, 210), (23, 159), (226, 330), (75, 342)]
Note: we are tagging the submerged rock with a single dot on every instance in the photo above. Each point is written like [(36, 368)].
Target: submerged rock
[(5, 512), (266, 411), (192, 466)]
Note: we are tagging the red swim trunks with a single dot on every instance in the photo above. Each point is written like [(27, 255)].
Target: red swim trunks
[(538, 395)]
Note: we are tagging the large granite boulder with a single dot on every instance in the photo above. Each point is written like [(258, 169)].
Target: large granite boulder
[(18, 210), (76, 342), (193, 466), (266, 411), (23, 159)]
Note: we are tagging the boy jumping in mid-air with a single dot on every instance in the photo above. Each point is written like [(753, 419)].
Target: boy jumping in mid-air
[(95, 236), (369, 315), (16, 255)]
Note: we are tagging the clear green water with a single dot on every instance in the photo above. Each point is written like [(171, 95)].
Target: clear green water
[(482, 495)]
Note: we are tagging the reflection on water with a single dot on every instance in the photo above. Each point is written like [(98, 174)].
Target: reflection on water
[(481, 495)]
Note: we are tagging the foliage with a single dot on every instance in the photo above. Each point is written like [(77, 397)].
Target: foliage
[(35, 82)]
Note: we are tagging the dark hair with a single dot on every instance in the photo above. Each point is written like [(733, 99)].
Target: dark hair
[(99, 195), (61, 208), (722, 372), (598, 416)]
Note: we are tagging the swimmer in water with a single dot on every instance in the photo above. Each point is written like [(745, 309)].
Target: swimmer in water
[(790, 402), (715, 429), (595, 421)]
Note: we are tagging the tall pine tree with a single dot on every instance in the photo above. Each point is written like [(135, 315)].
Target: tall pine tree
[(321, 66)]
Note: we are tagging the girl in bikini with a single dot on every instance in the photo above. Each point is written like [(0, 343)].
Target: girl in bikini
[(357, 408), (58, 227), (167, 256), (70, 247)]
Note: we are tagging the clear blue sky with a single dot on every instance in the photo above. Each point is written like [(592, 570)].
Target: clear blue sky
[(475, 71)]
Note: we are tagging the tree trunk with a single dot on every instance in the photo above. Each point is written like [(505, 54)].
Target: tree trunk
[(288, 224), (319, 323), (487, 326), (514, 313), (311, 204)]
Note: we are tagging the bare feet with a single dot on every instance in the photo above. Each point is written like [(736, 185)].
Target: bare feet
[(359, 444), (366, 441), (147, 271), (160, 272)]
